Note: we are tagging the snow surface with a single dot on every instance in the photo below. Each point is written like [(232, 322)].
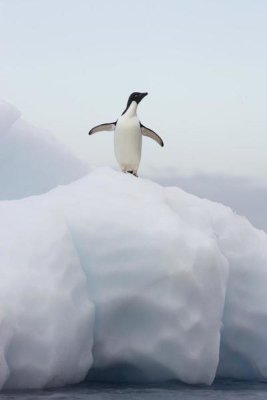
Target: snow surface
[(118, 278), (32, 161)]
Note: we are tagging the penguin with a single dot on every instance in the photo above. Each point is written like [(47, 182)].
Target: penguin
[(128, 132)]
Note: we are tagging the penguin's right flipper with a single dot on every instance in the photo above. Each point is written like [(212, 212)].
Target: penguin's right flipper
[(103, 127)]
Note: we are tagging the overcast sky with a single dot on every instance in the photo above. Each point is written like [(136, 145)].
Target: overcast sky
[(71, 64)]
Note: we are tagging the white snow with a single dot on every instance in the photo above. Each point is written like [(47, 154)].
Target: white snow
[(123, 279), (32, 161)]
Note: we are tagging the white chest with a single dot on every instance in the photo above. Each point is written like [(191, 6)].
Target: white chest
[(128, 127), (128, 140)]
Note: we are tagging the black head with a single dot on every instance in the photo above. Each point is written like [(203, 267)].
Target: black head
[(135, 96)]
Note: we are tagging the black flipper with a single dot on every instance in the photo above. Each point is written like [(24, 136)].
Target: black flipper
[(103, 127), (153, 135)]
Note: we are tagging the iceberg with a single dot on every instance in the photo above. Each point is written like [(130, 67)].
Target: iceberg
[(123, 279), (32, 161), (112, 278)]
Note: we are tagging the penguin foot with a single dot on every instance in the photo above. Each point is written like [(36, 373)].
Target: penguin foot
[(133, 173)]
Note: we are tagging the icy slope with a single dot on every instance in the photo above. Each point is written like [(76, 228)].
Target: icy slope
[(32, 161), (137, 275)]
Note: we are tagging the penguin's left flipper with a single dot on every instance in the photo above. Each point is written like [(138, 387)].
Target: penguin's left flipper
[(148, 132), (103, 127)]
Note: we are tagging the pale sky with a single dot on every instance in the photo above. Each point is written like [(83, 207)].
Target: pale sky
[(71, 64)]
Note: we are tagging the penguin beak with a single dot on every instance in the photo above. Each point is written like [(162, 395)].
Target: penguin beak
[(142, 95)]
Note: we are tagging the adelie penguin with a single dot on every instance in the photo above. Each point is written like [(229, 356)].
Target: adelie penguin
[(128, 132)]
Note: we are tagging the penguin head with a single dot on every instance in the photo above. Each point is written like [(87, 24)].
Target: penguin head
[(137, 97)]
